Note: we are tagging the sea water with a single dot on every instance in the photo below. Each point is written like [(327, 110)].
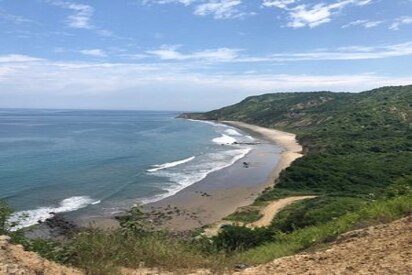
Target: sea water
[(61, 161)]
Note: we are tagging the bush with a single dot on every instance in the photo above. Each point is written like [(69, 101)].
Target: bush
[(290, 243), (312, 212), (235, 238), (5, 212), (402, 186)]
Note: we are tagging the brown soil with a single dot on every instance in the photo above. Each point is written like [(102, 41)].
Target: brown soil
[(14, 260), (382, 249)]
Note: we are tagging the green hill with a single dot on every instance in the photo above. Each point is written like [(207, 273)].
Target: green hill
[(356, 145)]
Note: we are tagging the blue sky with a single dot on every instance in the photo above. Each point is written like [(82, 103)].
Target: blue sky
[(196, 54)]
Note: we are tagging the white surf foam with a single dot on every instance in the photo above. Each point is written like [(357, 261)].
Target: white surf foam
[(166, 165), (233, 132), (224, 139), (217, 124), (194, 173), (28, 218)]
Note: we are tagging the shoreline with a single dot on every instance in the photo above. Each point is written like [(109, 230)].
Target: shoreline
[(292, 150), (199, 205)]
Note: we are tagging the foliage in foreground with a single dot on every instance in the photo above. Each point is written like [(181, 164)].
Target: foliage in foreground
[(286, 244), (5, 211), (245, 215), (102, 252)]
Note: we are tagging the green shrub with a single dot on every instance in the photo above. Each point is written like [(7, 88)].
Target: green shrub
[(402, 186), (237, 238), (315, 211), (5, 212), (289, 243), (245, 215)]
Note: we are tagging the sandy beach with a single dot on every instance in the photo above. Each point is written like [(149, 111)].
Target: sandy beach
[(207, 202)]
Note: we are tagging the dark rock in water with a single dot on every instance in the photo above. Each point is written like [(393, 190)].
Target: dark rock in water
[(59, 225)]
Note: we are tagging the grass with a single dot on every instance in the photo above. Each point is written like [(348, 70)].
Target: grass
[(291, 243), (245, 215), (315, 211), (100, 252)]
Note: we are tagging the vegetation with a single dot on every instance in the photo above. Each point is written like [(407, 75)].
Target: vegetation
[(5, 211), (314, 212), (239, 238), (246, 214), (286, 244), (355, 145), (357, 161)]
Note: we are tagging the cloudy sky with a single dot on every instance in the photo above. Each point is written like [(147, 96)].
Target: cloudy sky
[(196, 54)]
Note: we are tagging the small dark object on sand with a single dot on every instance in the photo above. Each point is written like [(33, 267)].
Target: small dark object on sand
[(245, 164)]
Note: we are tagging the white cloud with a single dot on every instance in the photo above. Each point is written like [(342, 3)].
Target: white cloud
[(404, 20), (220, 9), (303, 15), (18, 58), (228, 55), (16, 19), (346, 53), (161, 2), (364, 23), (281, 4), (214, 55), (127, 85), (81, 14), (94, 52)]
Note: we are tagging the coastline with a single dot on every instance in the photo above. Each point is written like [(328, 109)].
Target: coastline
[(292, 150), (205, 203)]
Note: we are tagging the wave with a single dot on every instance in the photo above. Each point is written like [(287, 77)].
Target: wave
[(233, 132), (224, 139), (179, 180), (217, 124), (169, 164), (28, 218)]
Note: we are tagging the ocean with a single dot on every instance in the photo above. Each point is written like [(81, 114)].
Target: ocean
[(104, 162)]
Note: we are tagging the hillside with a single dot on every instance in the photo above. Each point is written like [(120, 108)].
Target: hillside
[(354, 143), (14, 260), (382, 249), (320, 117)]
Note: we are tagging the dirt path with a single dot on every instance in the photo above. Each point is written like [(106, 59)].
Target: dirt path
[(268, 214), (378, 250), (271, 210)]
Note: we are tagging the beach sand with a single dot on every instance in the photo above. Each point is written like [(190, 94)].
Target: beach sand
[(209, 201)]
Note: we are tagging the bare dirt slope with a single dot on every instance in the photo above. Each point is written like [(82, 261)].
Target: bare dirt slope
[(14, 260), (382, 249)]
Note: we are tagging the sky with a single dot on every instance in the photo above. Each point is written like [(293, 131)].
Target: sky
[(196, 55)]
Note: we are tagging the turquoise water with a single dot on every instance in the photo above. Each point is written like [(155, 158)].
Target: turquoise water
[(55, 161)]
